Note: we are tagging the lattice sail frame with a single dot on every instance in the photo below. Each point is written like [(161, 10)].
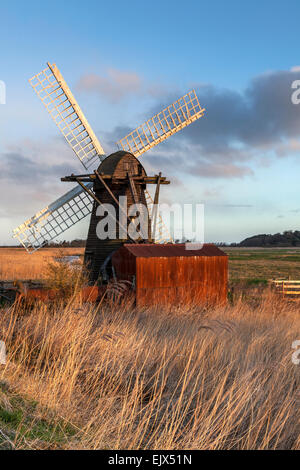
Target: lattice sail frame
[(59, 101), (170, 120), (54, 219)]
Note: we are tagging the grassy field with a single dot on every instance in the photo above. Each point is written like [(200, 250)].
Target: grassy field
[(244, 263), (263, 263), (16, 263), (109, 376)]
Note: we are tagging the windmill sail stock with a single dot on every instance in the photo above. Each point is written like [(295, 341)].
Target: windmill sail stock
[(59, 101)]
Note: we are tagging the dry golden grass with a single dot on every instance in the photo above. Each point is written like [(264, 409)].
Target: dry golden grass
[(82, 376), (16, 263), (115, 378)]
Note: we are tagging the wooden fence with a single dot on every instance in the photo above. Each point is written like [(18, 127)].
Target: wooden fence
[(287, 288)]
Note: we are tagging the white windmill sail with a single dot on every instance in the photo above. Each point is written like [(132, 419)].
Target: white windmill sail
[(56, 96), (170, 120), (54, 219)]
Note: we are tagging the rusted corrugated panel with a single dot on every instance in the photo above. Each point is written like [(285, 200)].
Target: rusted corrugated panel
[(163, 272), (168, 272), (174, 280), (151, 250)]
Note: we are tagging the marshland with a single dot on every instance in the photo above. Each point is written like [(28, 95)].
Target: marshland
[(108, 376)]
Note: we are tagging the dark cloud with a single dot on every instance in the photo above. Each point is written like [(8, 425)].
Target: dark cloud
[(27, 184), (187, 158), (238, 131), (21, 169), (260, 116), (111, 138)]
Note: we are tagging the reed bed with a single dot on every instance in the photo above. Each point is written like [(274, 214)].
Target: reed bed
[(112, 377), (16, 263)]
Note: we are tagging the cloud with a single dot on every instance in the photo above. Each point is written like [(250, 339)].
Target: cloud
[(237, 205), (289, 147), (184, 158), (17, 168), (116, 85), (239, 132), (212, 193), (206, 169), (30, 173), (262, 116)]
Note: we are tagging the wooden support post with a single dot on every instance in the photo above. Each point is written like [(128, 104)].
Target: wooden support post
[(133, 189), (136, 201), (155, 205)]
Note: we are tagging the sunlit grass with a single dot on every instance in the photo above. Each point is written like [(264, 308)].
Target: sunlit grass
[(16, 263), (108, 376), (188, 378)]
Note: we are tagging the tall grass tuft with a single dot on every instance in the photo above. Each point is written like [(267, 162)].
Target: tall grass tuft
[(65, 278)]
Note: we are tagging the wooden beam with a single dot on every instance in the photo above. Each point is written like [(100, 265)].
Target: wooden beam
[(100, 203), (100, 178), (155, 205), (136, 201), (132, 189), (137, 179)]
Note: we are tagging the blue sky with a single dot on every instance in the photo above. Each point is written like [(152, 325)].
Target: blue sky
[(241, 160)]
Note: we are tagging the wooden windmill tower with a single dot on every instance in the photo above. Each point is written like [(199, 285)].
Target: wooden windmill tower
[(117, 175), (120, 175)]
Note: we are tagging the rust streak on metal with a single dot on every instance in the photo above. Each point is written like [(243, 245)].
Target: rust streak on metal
[(171, 274)]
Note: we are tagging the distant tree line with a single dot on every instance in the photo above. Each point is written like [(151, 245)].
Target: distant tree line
[(287, 238), (78, 242)]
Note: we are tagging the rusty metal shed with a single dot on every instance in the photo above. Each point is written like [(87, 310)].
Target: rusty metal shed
[(170, 274)]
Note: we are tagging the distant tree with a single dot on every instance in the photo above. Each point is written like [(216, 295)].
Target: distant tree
[(287, 238)]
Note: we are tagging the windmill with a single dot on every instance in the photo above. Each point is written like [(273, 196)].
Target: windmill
[(116, 175)]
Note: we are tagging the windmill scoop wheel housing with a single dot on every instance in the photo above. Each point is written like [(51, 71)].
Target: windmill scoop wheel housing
[(117, 174)]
